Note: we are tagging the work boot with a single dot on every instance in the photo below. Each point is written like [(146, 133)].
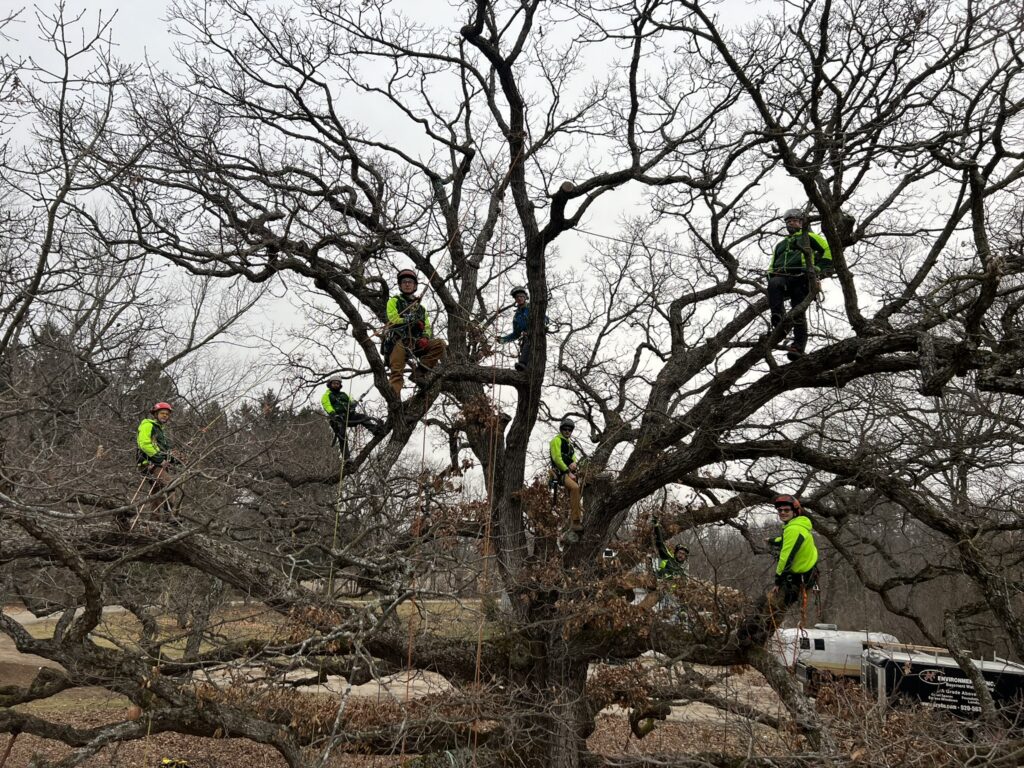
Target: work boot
[(520, 367), (419, 373), (794, 353)]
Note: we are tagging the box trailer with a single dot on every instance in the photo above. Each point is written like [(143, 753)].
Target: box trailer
[(931, 677)]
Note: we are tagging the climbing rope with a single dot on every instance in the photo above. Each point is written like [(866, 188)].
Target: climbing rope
[(342, 445)]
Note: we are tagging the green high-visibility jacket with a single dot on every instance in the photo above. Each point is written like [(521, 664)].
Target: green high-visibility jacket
[(563, 452), (337, 403), (152, 441), (402, 318), (668, 566), (798, 554), (788, 259)]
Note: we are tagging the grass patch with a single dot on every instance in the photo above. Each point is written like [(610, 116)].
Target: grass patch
[(75, 702)]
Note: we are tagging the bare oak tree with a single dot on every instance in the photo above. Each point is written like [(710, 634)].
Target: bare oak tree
[(322, 146)]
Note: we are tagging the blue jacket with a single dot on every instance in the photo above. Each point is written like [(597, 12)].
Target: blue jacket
[(519, 323)]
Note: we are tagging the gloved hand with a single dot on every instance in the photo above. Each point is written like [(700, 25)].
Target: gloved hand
[(422, 345), (419, 326), (157, 460)]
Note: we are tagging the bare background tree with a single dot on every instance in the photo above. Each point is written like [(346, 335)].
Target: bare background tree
[(319, 147)]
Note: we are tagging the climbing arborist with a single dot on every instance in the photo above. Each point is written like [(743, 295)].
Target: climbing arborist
[(409, 335), (796, 570), (671, 565), (519, 323), (154, 457), (797, 259), (342, 414), (565, 473)]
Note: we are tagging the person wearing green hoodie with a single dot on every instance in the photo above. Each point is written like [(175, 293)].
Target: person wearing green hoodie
[(156, 462), (564, 470), (342, 413), (796, 570), (795, 259)]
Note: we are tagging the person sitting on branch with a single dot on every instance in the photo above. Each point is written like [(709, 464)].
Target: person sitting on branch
[(342, 414), (520, 322), (796, 570), (409, 336), (565, 469), (800, 257)]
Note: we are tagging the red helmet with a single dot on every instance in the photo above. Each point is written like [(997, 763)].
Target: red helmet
[(788, 501), (161, 407), (404, 273)]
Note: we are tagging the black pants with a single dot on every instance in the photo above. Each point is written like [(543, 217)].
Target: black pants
[(796, 288), (795, 583), (339, 425), (524, 353)]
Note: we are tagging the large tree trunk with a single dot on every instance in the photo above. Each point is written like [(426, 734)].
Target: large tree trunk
[(551, 732)]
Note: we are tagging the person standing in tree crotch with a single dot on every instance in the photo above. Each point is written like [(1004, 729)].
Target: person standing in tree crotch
[(564, 466), (799, 256), (797, 569), (154, 456), (519, 323), (342, 414), (409, 335)]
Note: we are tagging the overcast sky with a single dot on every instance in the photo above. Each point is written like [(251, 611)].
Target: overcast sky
[(138, 28)]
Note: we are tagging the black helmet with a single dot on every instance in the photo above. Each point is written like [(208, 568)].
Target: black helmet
[(404, 273), (684, 548), (567, 423), (520, 289), (794, 213)]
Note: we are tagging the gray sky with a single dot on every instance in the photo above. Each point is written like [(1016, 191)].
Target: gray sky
[(138, 29)]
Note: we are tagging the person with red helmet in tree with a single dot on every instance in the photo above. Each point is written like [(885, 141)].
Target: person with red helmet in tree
[(154, 456), (409, 336), (796, 569)]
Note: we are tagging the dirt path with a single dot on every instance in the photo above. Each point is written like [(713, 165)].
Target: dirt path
[(10, 656)]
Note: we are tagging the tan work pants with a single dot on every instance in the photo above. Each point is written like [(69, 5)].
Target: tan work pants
[(435, 351), (575, 507)]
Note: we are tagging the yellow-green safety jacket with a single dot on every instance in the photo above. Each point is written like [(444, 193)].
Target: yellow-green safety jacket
[(403, 318), (788, 259), (563, 452), (153, 442), (337, 403), (799, 554)]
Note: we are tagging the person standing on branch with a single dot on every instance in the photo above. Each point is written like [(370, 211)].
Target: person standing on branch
[(566, 473), (409, 335), (155, 458), (520, 321), (342, 414), (802, 256), (796, 570)]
